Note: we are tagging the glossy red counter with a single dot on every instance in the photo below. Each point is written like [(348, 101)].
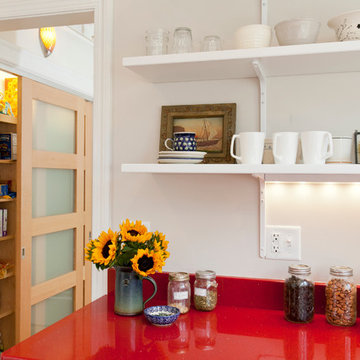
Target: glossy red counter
[(229, 332)]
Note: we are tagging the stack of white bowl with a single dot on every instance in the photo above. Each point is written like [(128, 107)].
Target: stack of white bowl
[(253, 36)]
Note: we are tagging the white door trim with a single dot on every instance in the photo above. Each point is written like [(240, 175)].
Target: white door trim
[(16, 13)]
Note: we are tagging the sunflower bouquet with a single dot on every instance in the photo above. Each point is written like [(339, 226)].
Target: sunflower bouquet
[(132, 246)]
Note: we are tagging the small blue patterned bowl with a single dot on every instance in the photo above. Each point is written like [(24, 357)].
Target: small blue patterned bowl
[(162, 315)]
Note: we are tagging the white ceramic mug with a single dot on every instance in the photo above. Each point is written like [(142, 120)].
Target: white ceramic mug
[(343, 146), (317, 146), (285, 146), (251, 147)]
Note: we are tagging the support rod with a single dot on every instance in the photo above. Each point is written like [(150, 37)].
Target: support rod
[(262, 81), (262, 217)]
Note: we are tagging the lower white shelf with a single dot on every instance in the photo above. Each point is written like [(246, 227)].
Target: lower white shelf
[(270, 172)]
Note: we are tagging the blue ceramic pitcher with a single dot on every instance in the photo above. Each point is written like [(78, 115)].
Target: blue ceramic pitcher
[(129, 292)]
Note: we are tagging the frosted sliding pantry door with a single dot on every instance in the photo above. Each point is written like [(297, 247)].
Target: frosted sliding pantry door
[(56, 163)]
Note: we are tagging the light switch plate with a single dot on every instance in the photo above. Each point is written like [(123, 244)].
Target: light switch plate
[(283, 242)]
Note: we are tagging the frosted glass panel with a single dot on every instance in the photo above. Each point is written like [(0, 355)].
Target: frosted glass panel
[(52, 255), (49, 311), (52, 191), (53, 128)]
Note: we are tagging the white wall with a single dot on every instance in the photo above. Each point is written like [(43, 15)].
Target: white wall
[(212, 221), (72, 51)]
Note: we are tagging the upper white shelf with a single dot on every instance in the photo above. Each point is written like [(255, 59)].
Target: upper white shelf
[(321, 58), (270, 172)]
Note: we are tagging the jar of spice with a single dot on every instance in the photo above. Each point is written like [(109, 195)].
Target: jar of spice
[(179, 291), (341, 297), (299, 294), (205, 290)]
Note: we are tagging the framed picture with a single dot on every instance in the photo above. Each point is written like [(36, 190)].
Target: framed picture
[(213, 124), (357, 146)]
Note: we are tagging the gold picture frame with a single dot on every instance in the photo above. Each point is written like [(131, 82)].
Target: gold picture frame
[(214, 125)]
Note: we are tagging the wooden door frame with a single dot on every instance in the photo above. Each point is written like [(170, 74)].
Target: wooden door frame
[(24, 14)]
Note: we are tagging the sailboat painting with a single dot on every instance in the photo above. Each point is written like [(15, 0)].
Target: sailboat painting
[(208, 130)]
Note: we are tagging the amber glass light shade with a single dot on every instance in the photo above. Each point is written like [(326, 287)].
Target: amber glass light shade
[(48, 40)]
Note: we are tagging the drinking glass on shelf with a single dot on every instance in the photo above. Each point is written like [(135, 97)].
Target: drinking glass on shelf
[(182, 40), (156, 41), (211, 43)]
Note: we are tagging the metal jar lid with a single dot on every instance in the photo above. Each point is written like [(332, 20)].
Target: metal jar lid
[(299, 269), (205, 274), (341, 270), (178, 276)]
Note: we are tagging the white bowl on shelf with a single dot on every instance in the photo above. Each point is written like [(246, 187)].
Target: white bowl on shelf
[(346, 25), (253, 36), (297, 31)]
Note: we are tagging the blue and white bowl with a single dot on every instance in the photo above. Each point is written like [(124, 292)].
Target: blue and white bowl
[(162, 315)]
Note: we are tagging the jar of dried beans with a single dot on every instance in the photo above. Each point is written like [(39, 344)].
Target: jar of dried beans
[(205, 290), (341, 297), (299, 294), (179, 291)]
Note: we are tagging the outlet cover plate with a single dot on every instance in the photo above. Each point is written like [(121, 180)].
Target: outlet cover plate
[(283, 242)]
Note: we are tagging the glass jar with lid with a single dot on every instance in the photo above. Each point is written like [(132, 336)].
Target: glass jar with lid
[(205, 290), (179, 291), (299, 294), (341, 297)]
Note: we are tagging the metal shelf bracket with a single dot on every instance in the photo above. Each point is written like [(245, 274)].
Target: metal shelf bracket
[(262, 81), (262, 214)]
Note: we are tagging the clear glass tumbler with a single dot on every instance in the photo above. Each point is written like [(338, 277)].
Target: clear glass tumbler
[(182, 40), (157, 41), (211, 43)]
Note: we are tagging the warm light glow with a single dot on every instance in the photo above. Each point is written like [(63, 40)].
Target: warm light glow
[(48, 39)]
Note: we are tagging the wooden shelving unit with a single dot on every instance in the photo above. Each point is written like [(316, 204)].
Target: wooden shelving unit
[(8, 171)]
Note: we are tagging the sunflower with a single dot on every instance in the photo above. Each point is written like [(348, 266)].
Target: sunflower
[(89, 250), (134, 232), (160, 237), (159, 249), (105, 248), (147, 262)]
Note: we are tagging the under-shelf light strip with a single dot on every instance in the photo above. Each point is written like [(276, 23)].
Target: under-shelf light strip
[(264, 11)]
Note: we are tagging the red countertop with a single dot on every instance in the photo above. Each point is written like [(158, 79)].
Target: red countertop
[(228, 332)]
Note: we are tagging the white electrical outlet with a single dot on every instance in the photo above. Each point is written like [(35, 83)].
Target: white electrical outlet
[(283, 242)]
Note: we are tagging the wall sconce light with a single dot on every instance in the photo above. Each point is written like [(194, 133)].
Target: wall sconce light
[(48, 40)]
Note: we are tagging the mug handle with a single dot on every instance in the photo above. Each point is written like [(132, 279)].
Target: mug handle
[(232, 147), (167, 145), (155, 288), (330, 147), (276, 157)]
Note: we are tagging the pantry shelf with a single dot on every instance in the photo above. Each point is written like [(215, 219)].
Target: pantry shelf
[(321, 58), (7, 119), (6, 200), (8, 275), (6, 313), (269, 172), (8, 237), (7, 161)]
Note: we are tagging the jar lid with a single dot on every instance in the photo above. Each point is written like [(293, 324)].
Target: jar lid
[(341, 270), (205, 274), (178, 276), (299, 269)]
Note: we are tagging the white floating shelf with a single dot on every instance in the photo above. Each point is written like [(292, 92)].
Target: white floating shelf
[(321, 58), (270, 172)]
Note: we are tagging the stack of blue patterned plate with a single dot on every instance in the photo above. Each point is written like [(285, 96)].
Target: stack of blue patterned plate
[(181, 157)]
